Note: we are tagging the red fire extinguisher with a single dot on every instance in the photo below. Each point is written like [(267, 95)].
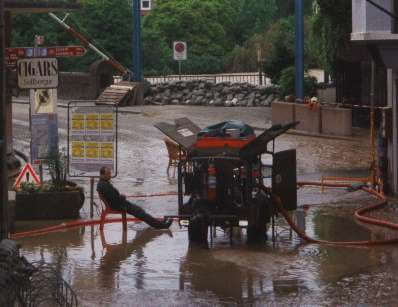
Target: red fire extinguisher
[(211, 182)]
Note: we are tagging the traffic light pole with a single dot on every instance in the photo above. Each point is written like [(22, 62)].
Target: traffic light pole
[(137, 41), (3, 132)]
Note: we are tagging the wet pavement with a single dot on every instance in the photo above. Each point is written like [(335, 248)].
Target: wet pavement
[(151, 268)]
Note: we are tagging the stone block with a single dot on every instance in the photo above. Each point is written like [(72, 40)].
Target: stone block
[(310, 120), (336, 121), (282, 112)]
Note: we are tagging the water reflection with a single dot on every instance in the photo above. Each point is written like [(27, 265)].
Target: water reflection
[(116, 254), (201, 271)]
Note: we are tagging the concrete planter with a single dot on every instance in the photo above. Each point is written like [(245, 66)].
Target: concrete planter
[(48, 205), (336, 121), (282, 112), (310, 120)]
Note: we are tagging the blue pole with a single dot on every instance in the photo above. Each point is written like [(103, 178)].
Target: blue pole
[(136, 69), (299, 49)]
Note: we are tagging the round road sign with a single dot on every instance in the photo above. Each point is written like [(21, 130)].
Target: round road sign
[(180, 50), (179, 47)]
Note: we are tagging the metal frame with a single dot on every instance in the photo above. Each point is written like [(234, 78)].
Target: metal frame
[(233, 219)]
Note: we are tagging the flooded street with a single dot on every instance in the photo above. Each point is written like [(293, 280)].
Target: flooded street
[(148, 267)]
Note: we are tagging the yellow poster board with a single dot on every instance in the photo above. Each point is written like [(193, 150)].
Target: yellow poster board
[(77, 150), (107, 121), (92, 150), (92, 121), (77, 121), (107, 151)]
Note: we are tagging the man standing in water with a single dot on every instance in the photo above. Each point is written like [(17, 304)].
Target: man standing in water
[(118, 201)]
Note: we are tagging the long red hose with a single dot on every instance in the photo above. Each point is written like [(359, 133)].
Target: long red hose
[(358, 214), (78, 223)]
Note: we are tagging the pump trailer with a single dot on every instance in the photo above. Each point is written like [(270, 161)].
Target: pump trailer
[(221, 170)]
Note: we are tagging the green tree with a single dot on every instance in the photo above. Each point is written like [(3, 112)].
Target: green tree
[(279, 52), (203, 24), (332, 25), (107, 25), (254, 16), (157, 57), (286, 8)]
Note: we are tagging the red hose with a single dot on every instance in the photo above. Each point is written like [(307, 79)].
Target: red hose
[(67, 225), (152, 195), (358, 215), (78, 223)]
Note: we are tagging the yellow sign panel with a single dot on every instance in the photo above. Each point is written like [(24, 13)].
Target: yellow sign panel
[(77, 121), (77, 150), (107, 150), (92, 150), (92, 121), (107, 121)]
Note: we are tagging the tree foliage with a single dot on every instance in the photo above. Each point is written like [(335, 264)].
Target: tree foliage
[(205, 25), (332, 26), (221, 35), (104, 23)]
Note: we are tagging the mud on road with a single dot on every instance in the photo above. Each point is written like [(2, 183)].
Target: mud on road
[(150, 267)]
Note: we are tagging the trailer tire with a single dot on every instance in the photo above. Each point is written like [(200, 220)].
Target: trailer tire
[(256, 234), (259, 216), (198, 227)]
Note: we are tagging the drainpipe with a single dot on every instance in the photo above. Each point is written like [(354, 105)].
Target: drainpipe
[(299, 50)]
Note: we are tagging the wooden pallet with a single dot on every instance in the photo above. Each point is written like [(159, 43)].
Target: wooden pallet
[(121, 94)]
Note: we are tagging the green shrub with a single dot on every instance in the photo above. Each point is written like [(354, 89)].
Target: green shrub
[(57, 167), (287, 83)]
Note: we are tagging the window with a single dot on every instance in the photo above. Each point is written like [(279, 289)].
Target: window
[(146, 5)]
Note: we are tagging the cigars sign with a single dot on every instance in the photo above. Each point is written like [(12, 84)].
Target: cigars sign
[(37, 73)]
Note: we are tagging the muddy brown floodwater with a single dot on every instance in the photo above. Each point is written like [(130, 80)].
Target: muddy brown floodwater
[(159, 268)]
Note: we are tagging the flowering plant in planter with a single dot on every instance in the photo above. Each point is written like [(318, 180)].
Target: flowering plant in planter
[(57, 169), (56, 198)]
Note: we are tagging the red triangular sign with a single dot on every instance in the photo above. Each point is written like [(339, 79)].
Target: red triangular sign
[(23, 175)]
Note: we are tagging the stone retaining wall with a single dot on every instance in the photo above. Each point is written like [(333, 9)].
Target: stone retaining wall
[(203, 92)]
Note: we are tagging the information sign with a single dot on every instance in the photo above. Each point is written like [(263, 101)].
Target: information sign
[(44, 136), (37, 73), (92, 138)]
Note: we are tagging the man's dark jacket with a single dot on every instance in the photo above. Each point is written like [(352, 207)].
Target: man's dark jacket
[(111, 194)]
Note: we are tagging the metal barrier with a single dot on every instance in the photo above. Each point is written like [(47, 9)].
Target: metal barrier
[(47, 286), (255, 78), (31, 284)]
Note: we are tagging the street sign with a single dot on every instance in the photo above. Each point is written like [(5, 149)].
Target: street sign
[(179, 51), (25, 174), (13, 54), (66, 51), (37, 73)]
